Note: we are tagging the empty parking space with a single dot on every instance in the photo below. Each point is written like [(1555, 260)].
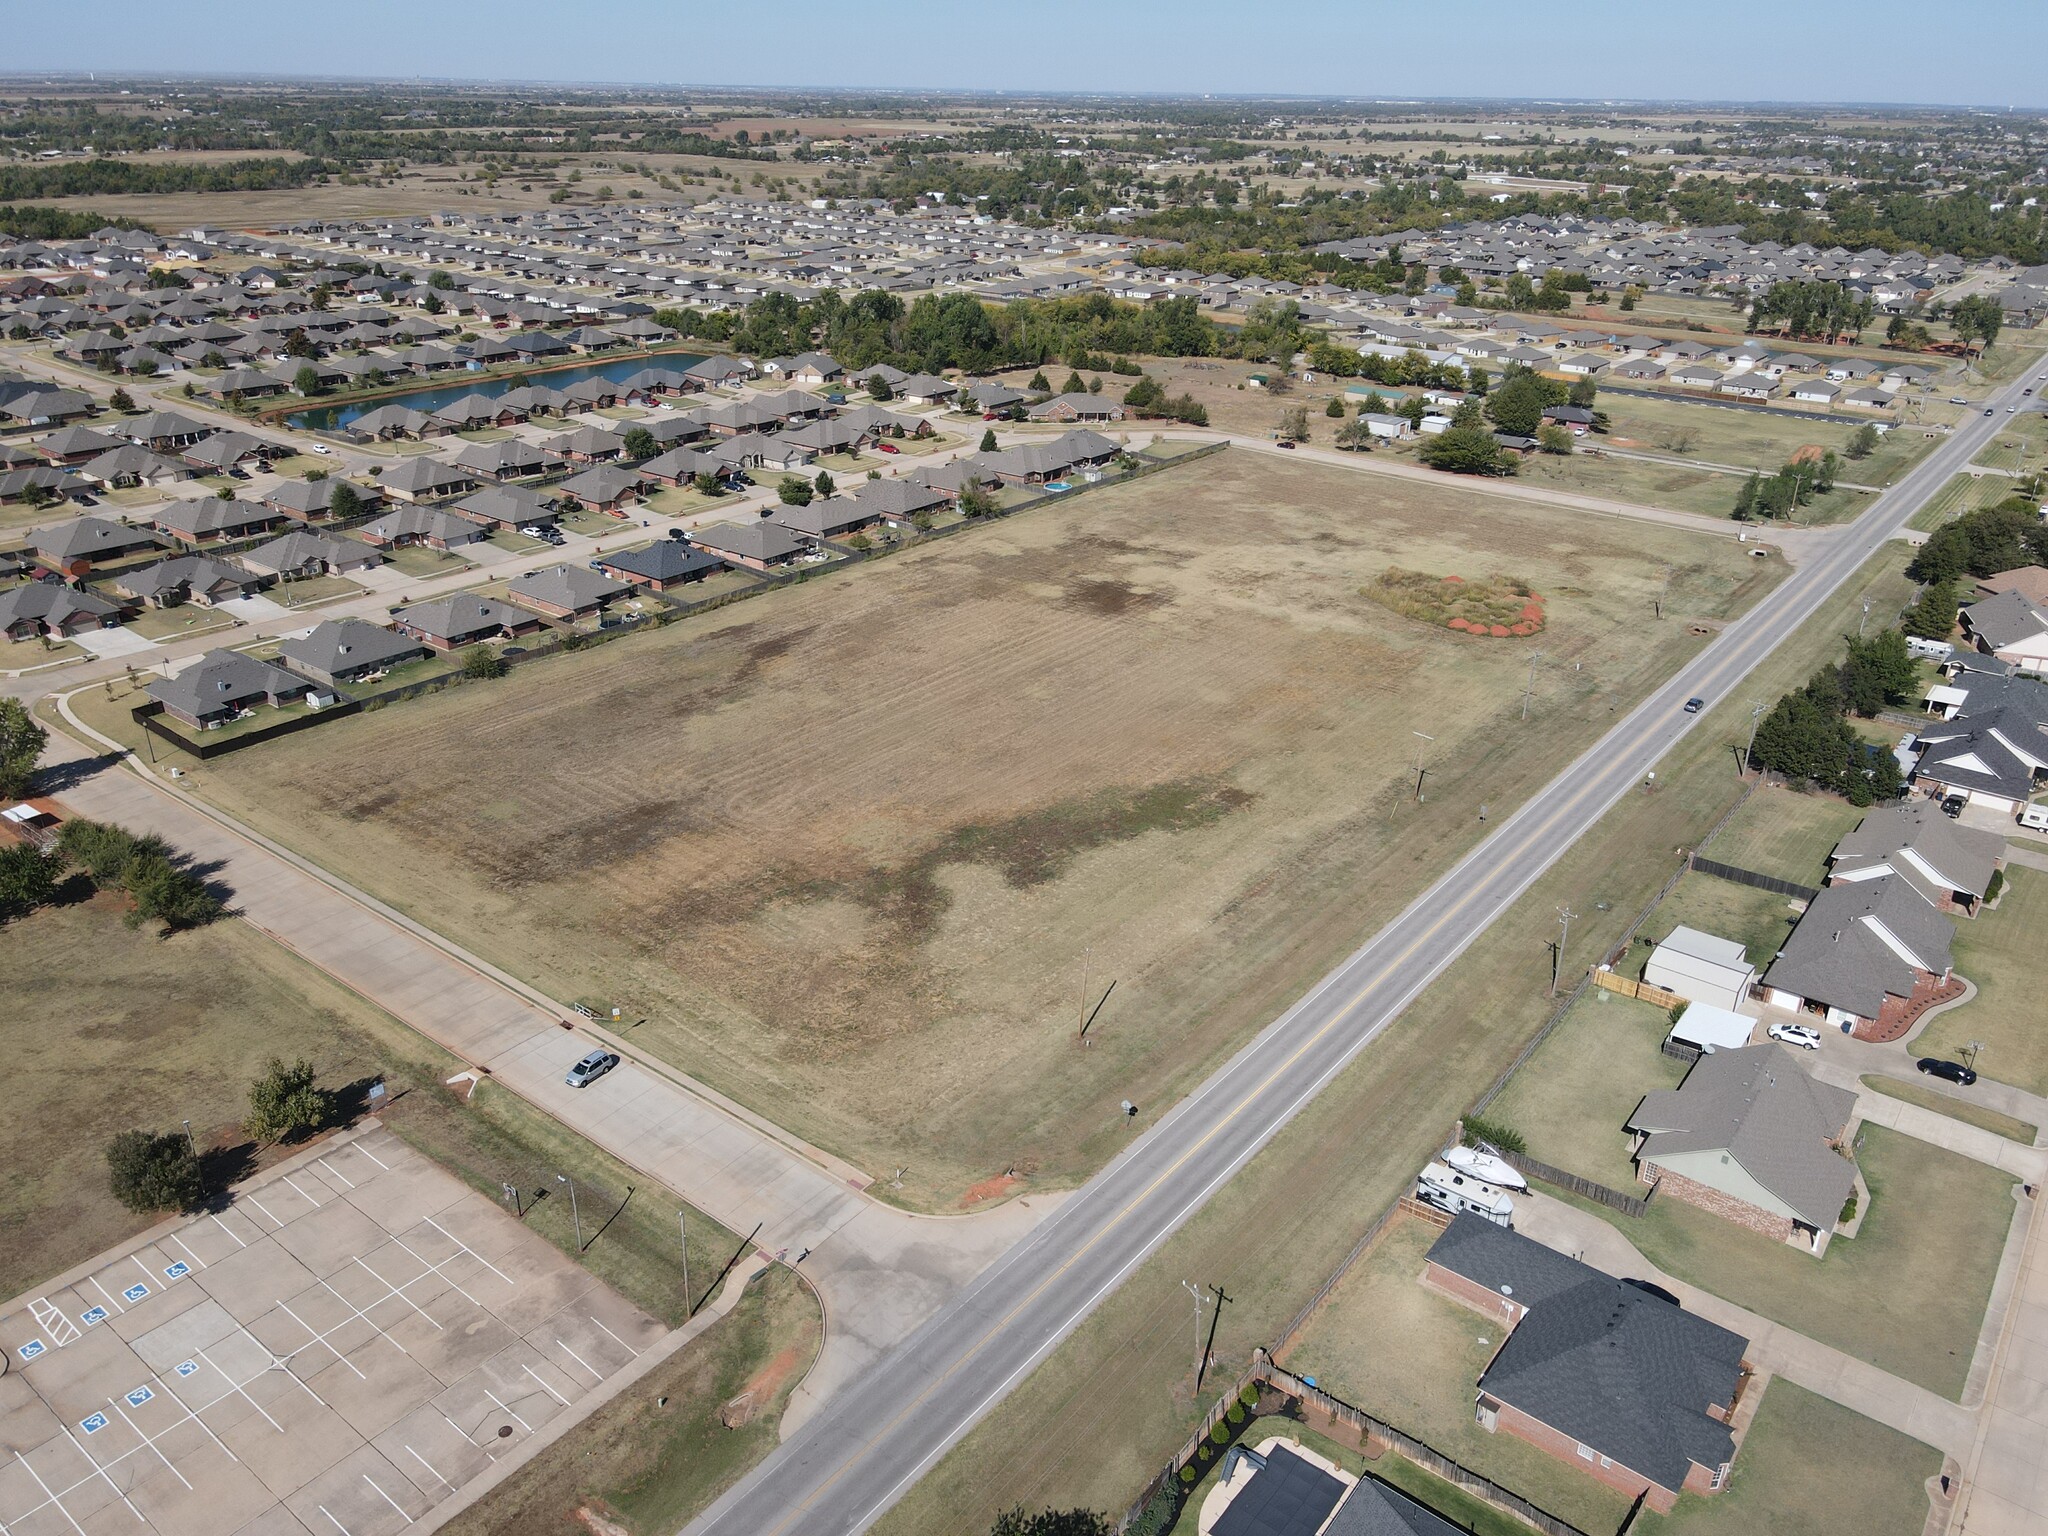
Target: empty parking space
[(337, 1349)]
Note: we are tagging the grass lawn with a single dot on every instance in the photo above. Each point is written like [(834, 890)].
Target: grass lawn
[(1964, 493), (113, 1028), (1182, 749), (1115, 1399), (1407, 1355), (2000, 950), (1907, 1293), (176, 623), (1717, 434), (1679, 487), (20, 655), (1809, 1467), (1757, 920), (1956, 1109), (650, 1459), (2020, 445), (419, 560), (1786, 832), (1572, 1098)]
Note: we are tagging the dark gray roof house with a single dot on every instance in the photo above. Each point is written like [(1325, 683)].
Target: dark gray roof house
[(664, 563), (1637, 1390), (1750, 1127), (344, 650), (565, 591), (759, 545), (221, 684), (1950, 864), (91, 538), (1858, 944)]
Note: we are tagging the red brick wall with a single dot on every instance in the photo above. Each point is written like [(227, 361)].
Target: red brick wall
[(1519, 1424), (1471, 1294), (1727, 1207)]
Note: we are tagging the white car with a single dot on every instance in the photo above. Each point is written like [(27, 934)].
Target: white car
[(1805, 1036), (321, 448)]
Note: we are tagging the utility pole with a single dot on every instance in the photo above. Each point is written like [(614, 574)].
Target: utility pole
[(1756, 714), (1420, 768), (683, 1227), (1864, 620), (1564, 935), (1534, 657), (1083, 1015), (1195, 1291), (574, 1214)]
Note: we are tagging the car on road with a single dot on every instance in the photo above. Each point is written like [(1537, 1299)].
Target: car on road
[(321, 448), (591, 1068), (1949, 1071), (1695, 704), (1957, 400), (1990, 411), (1952, 807), (1651, 1288), (888, 448), (1805, 1036), (1285, 442)]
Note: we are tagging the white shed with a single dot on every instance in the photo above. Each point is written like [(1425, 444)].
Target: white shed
[(1711, 1029), (1701, 968)]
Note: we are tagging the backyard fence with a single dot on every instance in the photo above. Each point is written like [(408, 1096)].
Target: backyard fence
[(1751, 877), (145, 716), (1608, 980), (1585, 1189)]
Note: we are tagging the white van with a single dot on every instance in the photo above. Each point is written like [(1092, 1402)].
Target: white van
[(1929, 650), (2034, 817), (1449, 1190)]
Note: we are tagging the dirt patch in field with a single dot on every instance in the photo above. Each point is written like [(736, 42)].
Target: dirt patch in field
[(989, 1189), (1808, 453), (762, 1388), (1111, 598)]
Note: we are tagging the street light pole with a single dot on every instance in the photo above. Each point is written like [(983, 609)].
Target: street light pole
[(1196, 1291), (683, 1228), (1534, 657), (1864, 620), (574, 1214)]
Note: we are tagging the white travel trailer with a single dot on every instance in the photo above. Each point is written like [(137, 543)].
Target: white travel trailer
[(1449, 1190)]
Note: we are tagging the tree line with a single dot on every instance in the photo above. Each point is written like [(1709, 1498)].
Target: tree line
[(101, 178), (1807, 735)]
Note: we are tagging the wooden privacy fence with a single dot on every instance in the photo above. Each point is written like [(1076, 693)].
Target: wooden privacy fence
[(1614, 981), (1587, 1189)]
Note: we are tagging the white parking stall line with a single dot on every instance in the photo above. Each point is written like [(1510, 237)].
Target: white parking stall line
[(629, 1349), (265, 1210), (551, 1392), (236, 1386), (321, 1339), (458, 1242), (435, 1269), (508, 1409), (295, 1184), (47, 1495), (565, 1349), (149, 1441), (388, 1499), (373, 1157), (326, 1167), (194, 1415), (330, 1515), (201, 1263), (231, 1232), (459, 1429), (359, 1312), (95, 1282), (145, 1270), (416, 1456), (101, 1471), (59, 1326), (397, 1291)]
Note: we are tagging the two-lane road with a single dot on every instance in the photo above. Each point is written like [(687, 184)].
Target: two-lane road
[(861, 1451)]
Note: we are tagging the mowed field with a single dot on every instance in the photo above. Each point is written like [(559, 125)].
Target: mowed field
[(849, 850)]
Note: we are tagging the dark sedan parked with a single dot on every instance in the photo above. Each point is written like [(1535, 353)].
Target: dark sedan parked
[(1952, 1071)]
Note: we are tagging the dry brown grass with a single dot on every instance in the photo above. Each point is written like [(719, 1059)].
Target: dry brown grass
[(849, 848)]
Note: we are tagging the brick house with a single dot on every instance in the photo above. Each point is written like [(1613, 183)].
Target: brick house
[(1636, 1393), (1750, 1137)]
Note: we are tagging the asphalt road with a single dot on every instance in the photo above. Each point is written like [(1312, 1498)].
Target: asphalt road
[(860, 1452)]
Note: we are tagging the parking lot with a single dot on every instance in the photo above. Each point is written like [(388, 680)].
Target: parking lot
[(337, 1350)]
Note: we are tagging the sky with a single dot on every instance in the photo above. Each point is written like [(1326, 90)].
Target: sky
[(1953, 52)]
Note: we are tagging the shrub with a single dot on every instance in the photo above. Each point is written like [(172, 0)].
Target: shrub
[(149, 1172), (1492, 1132), (1848, 1210), (284, 1103), (1220, 1432), (1250, 1395), (1188, 1474), (1995, 885), (481, 662), (1234, 1413), (28, 879)]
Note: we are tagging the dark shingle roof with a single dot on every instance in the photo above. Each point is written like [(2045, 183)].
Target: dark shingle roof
[(1289, 1496)]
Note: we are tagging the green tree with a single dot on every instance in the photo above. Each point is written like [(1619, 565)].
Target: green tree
[(441, 282), (1294, 424), (1075, 385), (640, 443), (149, 1172), (1467, 451), (976, 501), (706, 483), (988, 436), (122, 401), (480, 664), (1335, 408), (1038, 386), (1933, 616), (1877, 671), (344, 500), (1746, 498), (167, 893), (878, 388), (1145, 395), (1554, 439), (28, 879), (21, 743), (824, 485), (1517, 406), (285, 1103), (794, 491), (307, 380), (1050, 1522), (1862, 442)]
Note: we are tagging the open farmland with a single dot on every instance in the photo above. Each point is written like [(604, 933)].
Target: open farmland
[(849, 849)]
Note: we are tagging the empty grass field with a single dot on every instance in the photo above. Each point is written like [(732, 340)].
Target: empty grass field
[(1786, 832), (1963, 493), (2021, 445), (851, 848), (1757, 920), (111, 1028), (1678, 487), (1749, 439), (2000, 950)]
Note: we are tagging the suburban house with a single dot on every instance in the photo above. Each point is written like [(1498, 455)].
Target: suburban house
[(900, 501), (432, 526), (511, 459), (213, 520), (1608, 1378), (661, 565), (463, 619), (1753, 1139), (221, 685), (2009, 625), (310, 500), (132, 464), (425, 479), (1992, 740), (1867, 955), (829, 517), (925, 389), (1078, 407), (603, 489), (1036, 463), (1282, 1489), (1952, 865), (757, 546), (347, 650), (587, 445), (72, 548), (44, 608), (564, 591), (1701, 968), (187, 578), (304, 553), (507, 506)]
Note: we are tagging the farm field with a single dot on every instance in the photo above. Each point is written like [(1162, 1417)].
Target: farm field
[(851, 848), (1114, 1400)]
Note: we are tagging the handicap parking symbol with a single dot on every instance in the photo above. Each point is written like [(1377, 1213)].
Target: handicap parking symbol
[(188, 1367), (93, 1423), (135, 1292), (93, 1315), (139, 1396), (177, 1271), (33, 1348)]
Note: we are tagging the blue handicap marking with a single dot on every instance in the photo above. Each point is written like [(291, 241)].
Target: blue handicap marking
[(177, 1271), (188, 1367), (135, 1292), (33, 1348), (93, 1315), (93, 1423), (139, 1396)]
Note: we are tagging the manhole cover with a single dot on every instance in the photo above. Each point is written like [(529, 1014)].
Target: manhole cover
[(504, 1431)]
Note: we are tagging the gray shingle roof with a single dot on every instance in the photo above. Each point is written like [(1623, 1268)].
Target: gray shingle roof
[(1916, 841), (1757, 1105), (347, 645), (1840, 955)]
